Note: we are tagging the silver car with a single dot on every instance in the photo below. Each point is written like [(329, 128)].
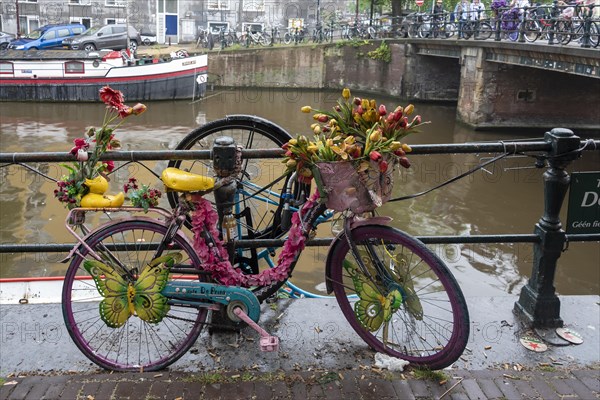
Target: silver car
[(112, 36), (5, 39)]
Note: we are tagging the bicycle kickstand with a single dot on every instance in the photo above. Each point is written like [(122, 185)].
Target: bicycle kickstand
[(267, 342)]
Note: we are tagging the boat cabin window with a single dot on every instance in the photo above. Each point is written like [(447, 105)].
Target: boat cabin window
[(74, 67), (6, 67)]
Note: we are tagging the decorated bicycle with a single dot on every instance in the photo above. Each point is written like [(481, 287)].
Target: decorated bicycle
[(138, 290)]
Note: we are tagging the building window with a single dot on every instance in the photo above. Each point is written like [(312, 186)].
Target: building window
[(87, 22), (81, 2), (6, 67), (28, 23), (218, 4), (254, 5), (29, 1), (112, 21), (74, 67), (115, 3)]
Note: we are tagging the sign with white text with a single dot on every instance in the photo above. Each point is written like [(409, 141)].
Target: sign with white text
[(584, 203)]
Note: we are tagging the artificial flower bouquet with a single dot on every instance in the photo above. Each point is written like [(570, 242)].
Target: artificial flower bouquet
[(354, 151), (87, 181)]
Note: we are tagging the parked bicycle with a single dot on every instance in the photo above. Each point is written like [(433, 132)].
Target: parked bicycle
[(205, 39), (251, 37), (322, 34), (295, 35), (436, 26), (477, 28), (152, 286)]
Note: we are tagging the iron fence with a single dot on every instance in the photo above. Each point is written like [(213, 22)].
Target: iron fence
[(538, 303)]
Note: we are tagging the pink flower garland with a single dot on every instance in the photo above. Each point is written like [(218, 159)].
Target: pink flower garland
[(216, 260)]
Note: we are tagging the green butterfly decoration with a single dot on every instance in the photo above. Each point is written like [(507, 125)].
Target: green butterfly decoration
[(373, 309), (401, 275), (123, 299)]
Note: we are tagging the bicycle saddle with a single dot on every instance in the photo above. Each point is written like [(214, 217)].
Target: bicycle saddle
[(182, 181)]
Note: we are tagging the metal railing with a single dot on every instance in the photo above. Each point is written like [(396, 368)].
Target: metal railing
[(538, 303)]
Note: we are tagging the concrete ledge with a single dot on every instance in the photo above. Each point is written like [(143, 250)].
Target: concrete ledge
[(313, 333)]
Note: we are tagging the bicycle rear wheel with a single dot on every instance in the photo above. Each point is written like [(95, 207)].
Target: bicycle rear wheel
[(126, 250), (407, 304), (532, 30), (485, 31), (258, 216)]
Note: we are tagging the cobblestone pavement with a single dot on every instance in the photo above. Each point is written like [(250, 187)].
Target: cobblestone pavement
[(359, 383)]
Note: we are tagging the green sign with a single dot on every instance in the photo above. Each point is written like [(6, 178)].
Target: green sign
[(584, 203)]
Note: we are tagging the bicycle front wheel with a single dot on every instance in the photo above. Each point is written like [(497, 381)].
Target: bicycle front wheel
[(97, 318), (406, 304)]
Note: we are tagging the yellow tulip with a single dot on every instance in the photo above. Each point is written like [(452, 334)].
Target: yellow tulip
[(406, 148), (306, 109), (312, 148), (293, 142), (395, 145), (306, 172), (317, 129), (409, 109), (373, 104), (350, 140), (375, 136), (291, 163), (346, 93), (365, 104)]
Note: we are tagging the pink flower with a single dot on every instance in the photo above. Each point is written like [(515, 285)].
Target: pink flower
[(404, 162), (124, 111), (138, 109), (111, 97), (80, 144), (382, 110), (375, 156), (383, 166), (110, 165)]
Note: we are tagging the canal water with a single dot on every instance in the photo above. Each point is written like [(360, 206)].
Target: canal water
[(505, 198)]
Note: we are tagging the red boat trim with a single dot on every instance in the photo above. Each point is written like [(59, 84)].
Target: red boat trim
[(43, 81), (36, 279)]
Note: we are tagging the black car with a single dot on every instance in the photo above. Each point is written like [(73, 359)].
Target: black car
[(112, 36)]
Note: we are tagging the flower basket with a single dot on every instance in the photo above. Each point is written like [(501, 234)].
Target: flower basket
[(342, 187)]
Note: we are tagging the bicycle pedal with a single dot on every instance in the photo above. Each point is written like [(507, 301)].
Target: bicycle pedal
[(269, 343)]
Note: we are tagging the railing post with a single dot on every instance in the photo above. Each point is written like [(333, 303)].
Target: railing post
[(553, 18), (498, 24), (538, 304), (522, 26), (587, 24)]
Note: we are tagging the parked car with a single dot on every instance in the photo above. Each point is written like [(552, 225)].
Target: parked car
[(148, 38), (47, 37), (5, 39), (112, 36)]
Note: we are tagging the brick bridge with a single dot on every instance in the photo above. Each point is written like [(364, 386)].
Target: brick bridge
[(495, 84)]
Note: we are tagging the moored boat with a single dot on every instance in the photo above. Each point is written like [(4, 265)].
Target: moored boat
[(57, 75)]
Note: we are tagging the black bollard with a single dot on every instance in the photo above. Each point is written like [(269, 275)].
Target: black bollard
[(538, 304)]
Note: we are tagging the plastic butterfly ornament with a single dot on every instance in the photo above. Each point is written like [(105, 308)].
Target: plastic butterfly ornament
[(373, 309), (401, 275), (142, 298)]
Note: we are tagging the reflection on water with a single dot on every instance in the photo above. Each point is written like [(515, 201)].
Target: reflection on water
[(500, 200)]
